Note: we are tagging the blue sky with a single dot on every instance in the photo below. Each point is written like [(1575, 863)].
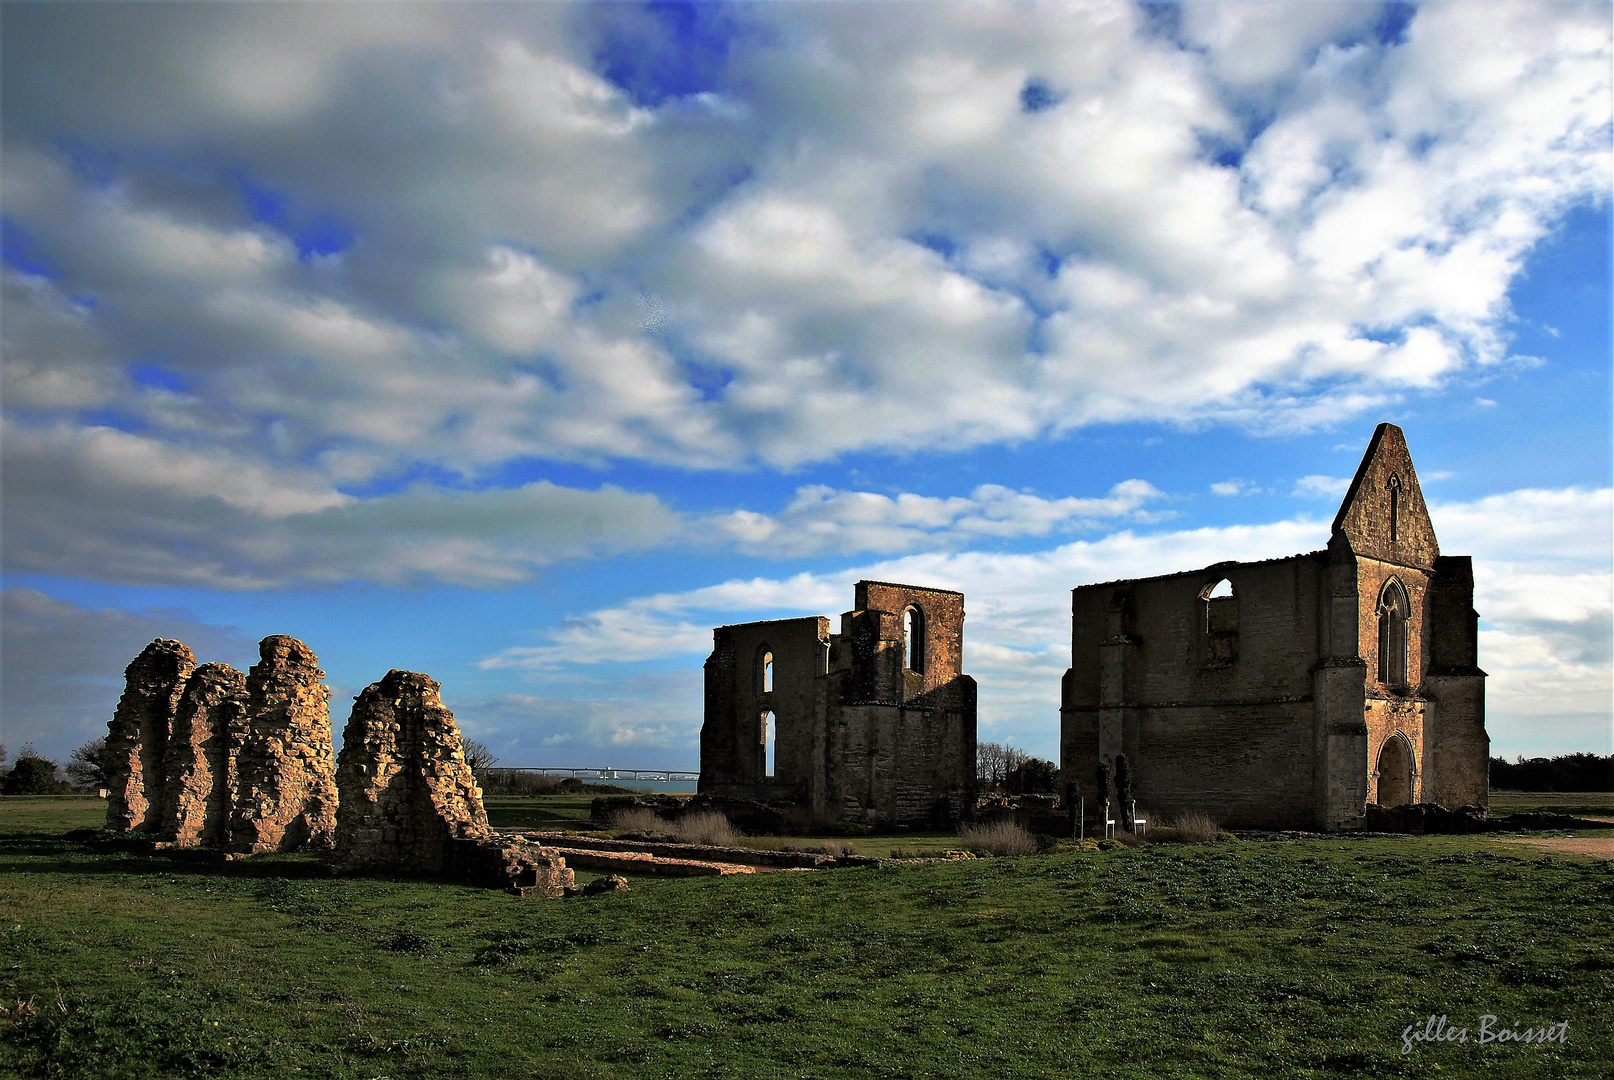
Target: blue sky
[(521, 345)]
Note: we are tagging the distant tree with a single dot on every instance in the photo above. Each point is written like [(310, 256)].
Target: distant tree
[(2, 753), (87, 766), (995, 763), (32, 775), (989, 765), (1034, 776), (478, 756)]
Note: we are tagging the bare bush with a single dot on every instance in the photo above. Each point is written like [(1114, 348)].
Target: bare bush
[(1190, 827), (709, 828), (641, 821), (998, 838)]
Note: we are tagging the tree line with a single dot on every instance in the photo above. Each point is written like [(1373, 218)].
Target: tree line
[(1567, 772)]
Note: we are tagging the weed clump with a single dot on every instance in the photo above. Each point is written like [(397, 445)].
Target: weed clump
[(709, 828), (1190, 827), (998, 838)]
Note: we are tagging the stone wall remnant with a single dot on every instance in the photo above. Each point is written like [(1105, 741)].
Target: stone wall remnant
[(137, 736), (285, 767), (873, 725), (405, 791), (409, 803), (199, 781)]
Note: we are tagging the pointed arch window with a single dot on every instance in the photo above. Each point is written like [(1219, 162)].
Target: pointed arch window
[(765, 670), (913, 640), (1394, 613)]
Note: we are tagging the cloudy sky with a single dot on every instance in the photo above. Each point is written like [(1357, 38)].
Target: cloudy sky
[(521, 345)]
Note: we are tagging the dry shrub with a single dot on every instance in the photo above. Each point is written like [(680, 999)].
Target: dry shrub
[(1189, 827), (709, 827), (641, 821), (998, 838)]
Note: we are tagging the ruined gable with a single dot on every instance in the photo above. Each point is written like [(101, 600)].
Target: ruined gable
[(1383, 516)]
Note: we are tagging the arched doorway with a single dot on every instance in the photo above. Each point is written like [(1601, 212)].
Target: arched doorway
[(1395, 773)]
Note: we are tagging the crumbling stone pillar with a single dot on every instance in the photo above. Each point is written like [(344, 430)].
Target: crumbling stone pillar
[(406, 792), (137, 736), (285, 770), (199, 763)]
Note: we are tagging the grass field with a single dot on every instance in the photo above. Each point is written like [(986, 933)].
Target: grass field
[(1270, 958), (1579, 803)]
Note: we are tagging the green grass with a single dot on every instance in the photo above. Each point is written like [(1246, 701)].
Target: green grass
[(1271, 958), (1595, 803)]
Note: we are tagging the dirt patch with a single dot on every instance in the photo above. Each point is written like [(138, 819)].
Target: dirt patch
[(1598, 847)]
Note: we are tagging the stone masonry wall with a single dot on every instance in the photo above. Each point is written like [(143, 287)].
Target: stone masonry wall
[(285, 770), (137, 735), (406, 792), (199, 762)]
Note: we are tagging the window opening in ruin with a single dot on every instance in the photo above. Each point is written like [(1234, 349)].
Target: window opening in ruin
[(765, 672), (913, 636), (1395, 505), (769, 739), (1394, 612), (1394, 786), (1221, 608)]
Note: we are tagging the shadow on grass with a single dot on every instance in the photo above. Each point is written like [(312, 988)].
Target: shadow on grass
[(85, 851)]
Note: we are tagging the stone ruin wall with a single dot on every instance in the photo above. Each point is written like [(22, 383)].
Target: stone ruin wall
[(408, 802), (199, 762), (208, 757), (137, 736), (205, 756), (404, 788), (285, 768)]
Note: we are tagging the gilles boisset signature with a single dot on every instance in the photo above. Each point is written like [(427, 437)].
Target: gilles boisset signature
[(1437, 1030)]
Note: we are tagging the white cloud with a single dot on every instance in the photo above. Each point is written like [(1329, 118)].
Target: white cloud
[(1322, 487), (129, 509), (1235, 487), (859, 239), (822, 519)]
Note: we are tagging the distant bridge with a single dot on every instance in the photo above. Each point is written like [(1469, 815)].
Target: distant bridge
[(669, 775)]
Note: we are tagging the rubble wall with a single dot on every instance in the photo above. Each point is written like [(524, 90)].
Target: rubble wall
[(285, 769), (406, 793), (137, 735), (199, 762)]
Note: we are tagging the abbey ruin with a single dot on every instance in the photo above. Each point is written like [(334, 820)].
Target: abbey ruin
[(874, 724), (1290, 693)]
